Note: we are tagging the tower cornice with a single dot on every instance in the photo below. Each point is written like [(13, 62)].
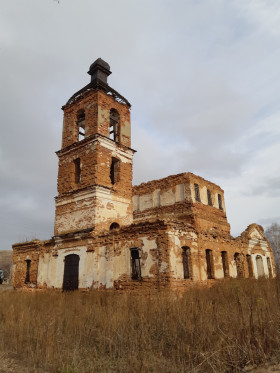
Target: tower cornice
[(96, 85), (91, 139)]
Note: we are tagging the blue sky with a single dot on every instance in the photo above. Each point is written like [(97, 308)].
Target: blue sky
[(202, 78)]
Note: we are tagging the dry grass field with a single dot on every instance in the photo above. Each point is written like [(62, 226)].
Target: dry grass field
[(231, 327)]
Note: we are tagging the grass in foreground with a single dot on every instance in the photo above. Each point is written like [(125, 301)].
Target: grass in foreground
[(223, 329)]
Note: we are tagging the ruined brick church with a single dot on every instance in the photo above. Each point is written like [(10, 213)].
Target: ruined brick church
[(108, 234)]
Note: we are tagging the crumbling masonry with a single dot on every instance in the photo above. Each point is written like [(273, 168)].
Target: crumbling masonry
[(165, 233)]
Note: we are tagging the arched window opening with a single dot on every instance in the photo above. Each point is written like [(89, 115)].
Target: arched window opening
[(186, 256), (81, 124), (114, 125), (114, 227), (209, 264), (260, 269), (225, 263), (135, 264), (269, 267), (209, 197), (220, 202), (239, 265), (77, 165), (249, 265), (115, 171), (197, 194), (27, 275), (71, 272)]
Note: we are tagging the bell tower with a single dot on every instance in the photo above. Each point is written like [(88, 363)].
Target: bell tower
[(95, 161)]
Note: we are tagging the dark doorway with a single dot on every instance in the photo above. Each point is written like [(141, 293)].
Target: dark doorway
[(71, 272)]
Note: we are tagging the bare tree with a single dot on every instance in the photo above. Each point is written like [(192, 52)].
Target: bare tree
[(272, 233)]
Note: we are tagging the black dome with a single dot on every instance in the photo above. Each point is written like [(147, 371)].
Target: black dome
[(101, 63)]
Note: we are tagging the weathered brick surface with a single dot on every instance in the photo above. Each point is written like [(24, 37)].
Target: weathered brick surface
[(88, 203), (100, 218), (23, 252), (97, 105), (177, 192)]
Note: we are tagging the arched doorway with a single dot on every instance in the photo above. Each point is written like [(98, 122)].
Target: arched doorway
[(71, 272), (260, 268)]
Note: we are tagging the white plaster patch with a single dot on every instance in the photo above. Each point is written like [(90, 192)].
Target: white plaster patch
[(156, 198), (150, 261), (255, 234), (145, 202), (167, 197), (135, 200), (180, 192), (51, 268)]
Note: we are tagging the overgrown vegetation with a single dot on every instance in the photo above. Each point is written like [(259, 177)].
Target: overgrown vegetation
[(225, 328)]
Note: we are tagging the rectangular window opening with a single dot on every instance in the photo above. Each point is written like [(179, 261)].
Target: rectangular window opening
[(135, 264), (27, 276), (209, 197), (186, 254), (209, 264), (77, 164), (197, 194), (225, 263), (220, 202), (115, 171)]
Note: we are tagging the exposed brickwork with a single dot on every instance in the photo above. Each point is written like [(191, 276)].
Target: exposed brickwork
[(97, 106), (86, 202), (132, 239), (180, 203), (23, 252)]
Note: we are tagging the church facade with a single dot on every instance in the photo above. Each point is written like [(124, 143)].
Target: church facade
[(108, 234)]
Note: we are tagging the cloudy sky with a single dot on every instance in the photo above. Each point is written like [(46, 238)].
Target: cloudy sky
[(202, 77)]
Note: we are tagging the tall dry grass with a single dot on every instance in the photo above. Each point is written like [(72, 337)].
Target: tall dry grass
[(223, 329)]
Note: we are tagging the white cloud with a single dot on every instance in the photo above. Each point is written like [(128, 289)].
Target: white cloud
[(202, 77)]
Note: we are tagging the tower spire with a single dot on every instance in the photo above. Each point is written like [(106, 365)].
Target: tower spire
[(99, 70)]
